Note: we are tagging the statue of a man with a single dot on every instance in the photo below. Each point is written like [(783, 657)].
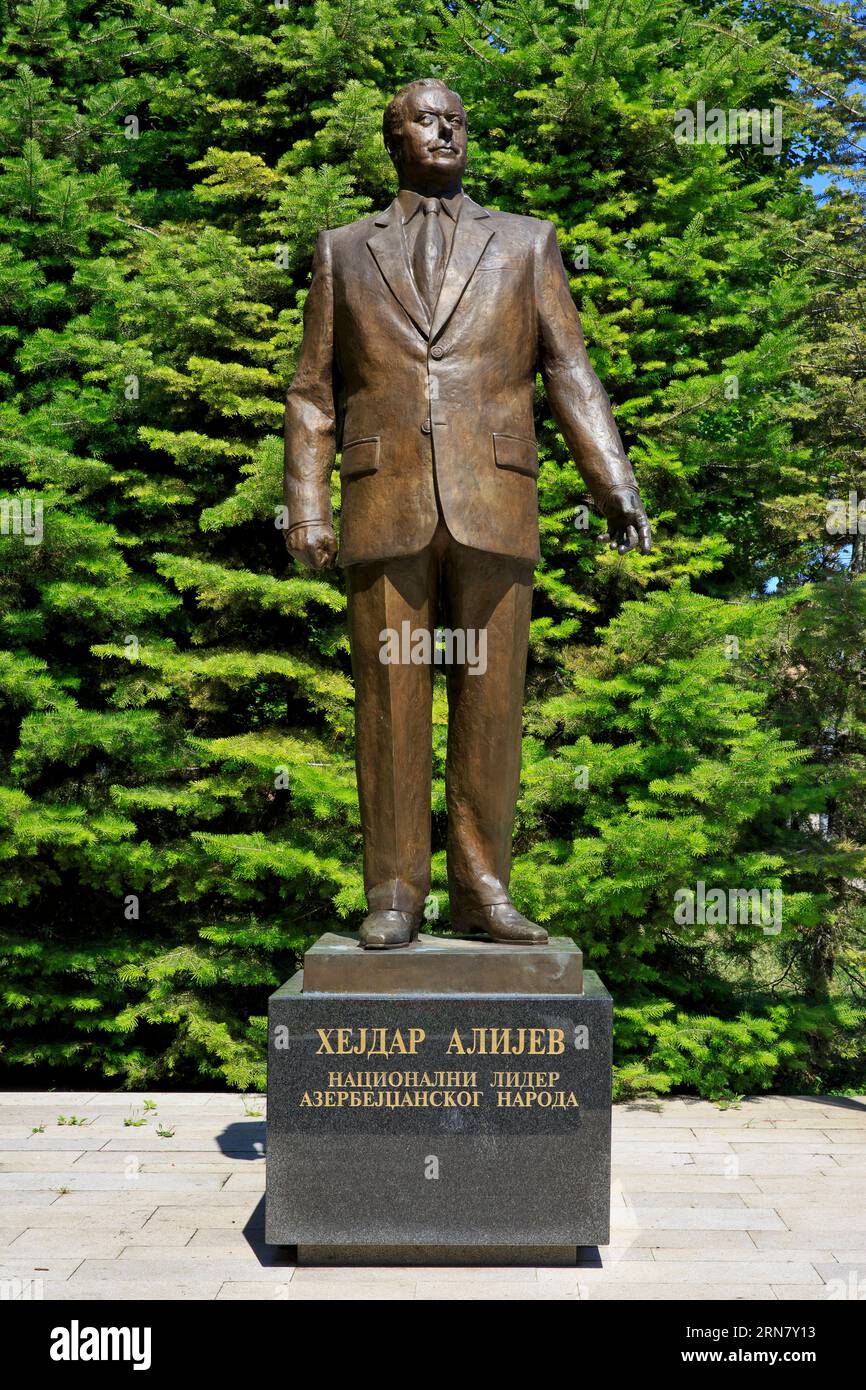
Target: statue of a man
[(424, 329)]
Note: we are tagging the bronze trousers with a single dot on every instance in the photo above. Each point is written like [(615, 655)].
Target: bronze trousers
[(465, 591)]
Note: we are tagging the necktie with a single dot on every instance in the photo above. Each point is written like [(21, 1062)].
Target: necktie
[(428, 259)]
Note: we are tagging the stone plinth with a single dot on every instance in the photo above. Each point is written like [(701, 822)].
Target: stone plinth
[(402, 1118), (442, 965)]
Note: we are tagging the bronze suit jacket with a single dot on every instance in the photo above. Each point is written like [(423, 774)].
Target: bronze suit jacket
[(420, 407)]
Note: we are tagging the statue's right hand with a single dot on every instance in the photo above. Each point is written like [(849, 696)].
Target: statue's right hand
[(314, 545)]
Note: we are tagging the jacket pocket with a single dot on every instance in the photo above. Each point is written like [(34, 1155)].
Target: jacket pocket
[(361, 456), (518, 455)]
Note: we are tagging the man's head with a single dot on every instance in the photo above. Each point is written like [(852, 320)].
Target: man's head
[(425, 132)]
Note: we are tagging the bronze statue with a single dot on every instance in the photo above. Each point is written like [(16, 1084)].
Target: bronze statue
[(423, 332)]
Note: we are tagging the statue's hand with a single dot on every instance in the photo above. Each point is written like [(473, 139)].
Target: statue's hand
[(627, 522), (314, 545)]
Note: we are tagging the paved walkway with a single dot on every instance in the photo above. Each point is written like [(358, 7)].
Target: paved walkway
[(765, 1201)]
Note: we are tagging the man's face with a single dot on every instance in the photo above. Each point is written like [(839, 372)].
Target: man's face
[(433, 144)]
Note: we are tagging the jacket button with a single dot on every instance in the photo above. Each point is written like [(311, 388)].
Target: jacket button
[(426, 427), (437, 352)]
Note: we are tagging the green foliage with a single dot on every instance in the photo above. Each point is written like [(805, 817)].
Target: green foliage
[(178, 814)]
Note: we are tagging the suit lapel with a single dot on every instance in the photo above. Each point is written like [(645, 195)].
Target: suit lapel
[(389, 251), (387, 246), (471, 235)]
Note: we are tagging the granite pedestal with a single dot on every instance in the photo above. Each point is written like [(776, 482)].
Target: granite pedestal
[(424, 1122)]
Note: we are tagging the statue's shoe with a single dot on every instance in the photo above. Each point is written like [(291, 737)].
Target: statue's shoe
[(380, 931), (503, 922)]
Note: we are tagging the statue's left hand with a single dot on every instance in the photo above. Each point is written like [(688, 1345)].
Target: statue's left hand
[(628, 524)]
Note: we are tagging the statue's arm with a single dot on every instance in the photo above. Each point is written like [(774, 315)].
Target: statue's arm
[(579, 402), (311, 424)]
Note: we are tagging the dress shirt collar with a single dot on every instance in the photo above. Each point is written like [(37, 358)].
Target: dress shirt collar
[(410, 201)]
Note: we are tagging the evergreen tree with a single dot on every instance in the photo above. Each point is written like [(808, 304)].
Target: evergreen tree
[(178, 815)]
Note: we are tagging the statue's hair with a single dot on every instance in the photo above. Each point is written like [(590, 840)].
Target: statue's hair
[(392, 120)]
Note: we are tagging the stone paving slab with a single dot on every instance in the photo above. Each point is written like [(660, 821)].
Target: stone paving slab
[(39, 1162), (833, 1201), (236, 1290), (50, 1240), (763, 1200), (105, 1182), (156, 1290), (205, 1218), (107, 1160), (674, 1241), (699, 1219), (667, 1201), (833, 1185), (25, 1142), (11, 1201), (745, 1254), (150, 1143), (642, 1183), (668, 1134), (173, 1265), (767, 1161), (725, 1293), (104, 1099), (796, 1292), (245, 1181), (650, 1144), (58, 1216), (37, 1267), (194, 1127), (17, 1099), (837, 1240)]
